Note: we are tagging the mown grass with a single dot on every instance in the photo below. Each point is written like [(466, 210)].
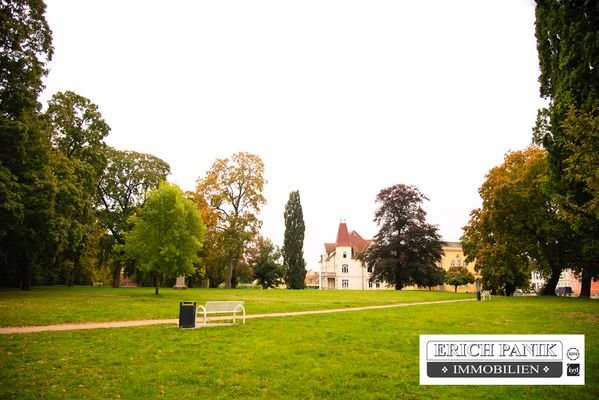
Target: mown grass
[(53, 305), (359, 355)]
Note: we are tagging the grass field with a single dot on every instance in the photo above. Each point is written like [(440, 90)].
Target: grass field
[(359, 355), (51, 305)]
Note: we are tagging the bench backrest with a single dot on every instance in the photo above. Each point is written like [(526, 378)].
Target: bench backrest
[(223, 306)]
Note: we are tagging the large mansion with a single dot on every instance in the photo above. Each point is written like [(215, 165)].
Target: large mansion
[(340, 267)]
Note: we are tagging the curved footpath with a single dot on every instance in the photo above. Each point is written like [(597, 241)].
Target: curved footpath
[(123, 324)]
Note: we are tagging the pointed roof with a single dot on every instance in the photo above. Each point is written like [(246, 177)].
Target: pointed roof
[(346, 239), (358, 243), (342, 236)]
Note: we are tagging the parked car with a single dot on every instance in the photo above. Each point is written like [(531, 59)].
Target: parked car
[(564, 291)]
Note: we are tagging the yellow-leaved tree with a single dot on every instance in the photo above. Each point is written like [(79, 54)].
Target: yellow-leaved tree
[(233, 191)]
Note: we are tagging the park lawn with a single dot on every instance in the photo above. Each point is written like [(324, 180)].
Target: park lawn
[(356, 355), (56, 305)]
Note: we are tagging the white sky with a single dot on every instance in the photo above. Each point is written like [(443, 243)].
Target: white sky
[(340, 99)]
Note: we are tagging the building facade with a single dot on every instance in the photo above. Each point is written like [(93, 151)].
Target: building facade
[(340, 267)]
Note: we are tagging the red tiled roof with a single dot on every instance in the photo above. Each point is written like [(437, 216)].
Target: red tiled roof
[(346, 239), (329, 247), (358, 243), (342, 236)]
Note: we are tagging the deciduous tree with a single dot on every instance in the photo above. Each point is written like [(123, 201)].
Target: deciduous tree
[(518, 227), (25, 50), (27, 185), (77, 132), (122, 188), (568, 48), (268, 270), (406, 246), (233, 189), (166, 234), (457, 276)]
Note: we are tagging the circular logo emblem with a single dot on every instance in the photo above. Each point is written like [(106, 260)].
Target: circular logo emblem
[(573, 353)]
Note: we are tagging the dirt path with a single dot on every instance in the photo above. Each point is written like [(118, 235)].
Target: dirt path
[(123, 324)]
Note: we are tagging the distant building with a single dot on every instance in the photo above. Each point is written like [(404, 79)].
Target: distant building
[(567, 278), (454, 257), (311, 280), (340, 267)]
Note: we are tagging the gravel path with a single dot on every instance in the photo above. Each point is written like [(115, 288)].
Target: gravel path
[(122, 324)]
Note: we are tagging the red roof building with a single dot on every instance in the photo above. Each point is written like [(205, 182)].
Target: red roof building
[(340, 266)]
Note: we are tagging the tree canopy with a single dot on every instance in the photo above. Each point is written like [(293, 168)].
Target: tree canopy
[(122, 188), (267, 267), (568, 49), (457, 276), (25, 50), (518, 228), (166, 234), (406, 246)]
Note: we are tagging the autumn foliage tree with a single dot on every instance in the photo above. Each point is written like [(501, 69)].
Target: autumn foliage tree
[(233, 189), (518, 228), (406, 246)]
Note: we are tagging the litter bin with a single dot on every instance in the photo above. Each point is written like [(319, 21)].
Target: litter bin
[(187, 314)]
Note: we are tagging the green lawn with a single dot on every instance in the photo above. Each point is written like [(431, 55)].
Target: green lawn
[(359, 355), (52, 305)]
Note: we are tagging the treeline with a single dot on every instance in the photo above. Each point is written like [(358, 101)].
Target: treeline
[(540, 208), (73, 210)]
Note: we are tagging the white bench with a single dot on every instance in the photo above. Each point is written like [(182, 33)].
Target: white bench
[(485, 294), (221, 307)]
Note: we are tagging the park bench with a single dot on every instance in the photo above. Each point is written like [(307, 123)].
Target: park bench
[(221, 307), (485, 294)]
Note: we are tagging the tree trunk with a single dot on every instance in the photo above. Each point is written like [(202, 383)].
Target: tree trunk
[(455, 290), (229, 273), (116, 276), (585, 284), (398, 281), (156, 284), (549, 288)]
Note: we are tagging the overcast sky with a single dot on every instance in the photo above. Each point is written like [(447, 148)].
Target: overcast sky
[(340, 99)]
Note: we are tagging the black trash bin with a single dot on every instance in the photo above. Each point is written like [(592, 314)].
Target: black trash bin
[(187, 314)]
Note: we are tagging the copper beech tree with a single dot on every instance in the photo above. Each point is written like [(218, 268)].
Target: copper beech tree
[(232, 189), (406, 249)]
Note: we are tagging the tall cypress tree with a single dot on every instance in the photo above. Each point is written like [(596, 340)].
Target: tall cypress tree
[(293, 245)]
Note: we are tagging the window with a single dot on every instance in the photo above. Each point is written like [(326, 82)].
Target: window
[(370, 284), (345, 268), (459, 263), (369, 269), (345, 254), (453, 263), (378, 285), (345, 283)]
